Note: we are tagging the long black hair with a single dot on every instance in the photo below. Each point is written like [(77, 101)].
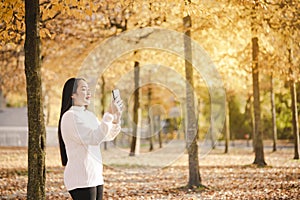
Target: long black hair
[(69, 89)]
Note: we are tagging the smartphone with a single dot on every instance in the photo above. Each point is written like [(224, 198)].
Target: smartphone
[(116, 93)]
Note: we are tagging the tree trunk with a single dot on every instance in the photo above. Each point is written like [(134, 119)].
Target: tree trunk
[(295, 119), (273, 111), (232, 134), (159, 132), (135, 107), (102, 103), (258, 138), (191, 129), (36, 126), (2, 100), (294, 109), (227, 125), (252, 123), (150, 122)]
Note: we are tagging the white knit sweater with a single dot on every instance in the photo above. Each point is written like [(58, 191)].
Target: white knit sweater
[(82, 134)]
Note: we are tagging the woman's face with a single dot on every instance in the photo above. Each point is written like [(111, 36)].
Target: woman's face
[(83, 95)]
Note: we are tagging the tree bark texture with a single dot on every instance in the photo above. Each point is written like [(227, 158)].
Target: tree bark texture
[(135, 107), (36, 126), (191, 128)]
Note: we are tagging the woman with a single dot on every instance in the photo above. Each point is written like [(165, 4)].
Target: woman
[(80, 134)]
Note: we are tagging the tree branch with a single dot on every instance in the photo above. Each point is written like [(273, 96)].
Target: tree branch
[(45, 2), (51, 18)]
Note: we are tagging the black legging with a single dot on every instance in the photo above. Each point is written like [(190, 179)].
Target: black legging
[(90, 193)]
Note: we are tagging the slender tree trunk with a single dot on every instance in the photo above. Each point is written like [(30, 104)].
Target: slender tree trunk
[(252, 123), (294, 110), (273, 111), (150, 122), (2, 100), (258, 138), (36, 126), (295, 119), (135, 107), (227, 125), (232, 135), (102, 102), (159, 132), (191, 129), (212, 134), (151, 128)]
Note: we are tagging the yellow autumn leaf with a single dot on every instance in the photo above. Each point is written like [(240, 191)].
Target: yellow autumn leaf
[(7, 15), (44, 32), (57, 7), (89, 12), (74, 2)]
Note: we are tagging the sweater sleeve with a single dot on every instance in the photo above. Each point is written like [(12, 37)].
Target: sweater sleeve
[(76, 129), (115, 128)]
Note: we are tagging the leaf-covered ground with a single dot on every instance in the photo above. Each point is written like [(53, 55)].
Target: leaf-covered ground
[(226, 176)]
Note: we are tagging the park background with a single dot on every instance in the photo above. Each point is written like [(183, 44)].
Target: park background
[(227, 30)]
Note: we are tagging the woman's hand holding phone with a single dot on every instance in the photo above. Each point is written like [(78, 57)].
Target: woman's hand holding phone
[(116, 106)]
